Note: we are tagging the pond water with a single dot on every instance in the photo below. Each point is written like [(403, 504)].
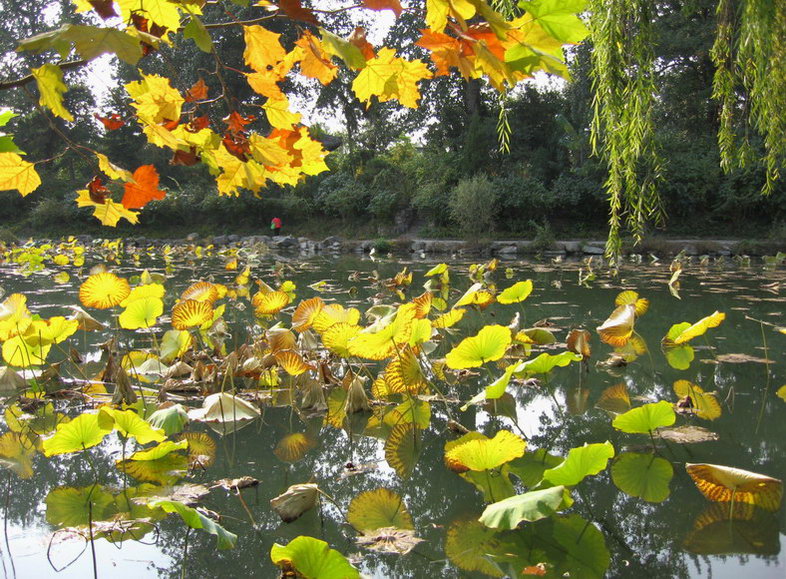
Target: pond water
[(606, 532)]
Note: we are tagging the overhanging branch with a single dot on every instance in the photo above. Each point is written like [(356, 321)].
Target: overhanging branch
[(8, 84)]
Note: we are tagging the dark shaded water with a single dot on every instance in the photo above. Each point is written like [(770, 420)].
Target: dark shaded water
[(678, 537)]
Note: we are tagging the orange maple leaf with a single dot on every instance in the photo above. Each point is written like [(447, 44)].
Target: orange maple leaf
[(295, 11), (393, 5), (143, 189), (197, 92)]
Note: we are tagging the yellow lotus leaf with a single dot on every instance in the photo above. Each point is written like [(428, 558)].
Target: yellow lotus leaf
[(174, 344), (630, 297), (141, 313), (450, 318), (280, 339), (61, 259), (420, 332), (382, 344), (270, 303), (518, 292), (22, 353), (103, 291), (476, 296), (618, 328), (61, 278), (305, 312), (579, 342), (423, 303), (705, 404), (292, 362), (403, 374), (376, 509), (437, 270), (336, 338), (724, 483), (201, 291), (332, 314), (231, 265), (191, 313), (149, 290), (294, 446), (473, 452), (201, 449), (698, 329), (245, 277), (53, 330), (489, 344)]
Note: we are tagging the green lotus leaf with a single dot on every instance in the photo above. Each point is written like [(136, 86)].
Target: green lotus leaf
[(530, 467), (471, 546), (494, 390), (545, 363), (377, 509), (71, 507), (540, 336), (82, 432), (531, 506), (171, 419), (518, 292), (679, 357), (583, 461), (645, 419), (489, 344), (312, 559), (196, 520), (174, 344), (642, 475), (494, 486), (128, 423)]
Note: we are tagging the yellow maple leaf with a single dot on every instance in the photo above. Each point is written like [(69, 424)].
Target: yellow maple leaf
[(155, 100), (51, 87), (263, 48), (109, 212), (437, 12), (312, 160), (268, 151), (278, 113), (315, 62), (265, 83), (16, 173), (390, 77), (113, 171), (162, 12)]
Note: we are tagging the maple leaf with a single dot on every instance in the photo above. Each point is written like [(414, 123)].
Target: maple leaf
[(343, 49), (315, 61), (154, 99), (278, 113), (112, 122), (49, 78), (164, 13), (358, 38), (198, 123), (89, 42), (263, 48), (437, 12), (104, 8), (186, 158), (113, 171), (393, 5), (265, 83), (16, 173), (389, 77), (143, 189), (295, 11), (197, 92), (109, 212), (445, 50)]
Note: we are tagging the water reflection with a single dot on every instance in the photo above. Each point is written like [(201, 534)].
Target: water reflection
[(664, 530)]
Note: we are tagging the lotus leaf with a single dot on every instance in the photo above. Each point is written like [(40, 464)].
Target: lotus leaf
[(389, 540), (128, 423), (159, 451), (726, 483), (294, 446), (618, 328), (531, 506), (545, 363), (631, 297), (645, 419), (581, 462), (578, 341), (642, 475), (450, 318), (103, 291), (719, 530), (295, 501), (224, 407), (150, 290), (305, 312), (82, 432), (191, 313), (174, 344), (166, 470), (312, 559), (476, 295), (705, 405), (197, 520), (699, 328), (471, 546), (489, 344), (516, 293), (615, 399), (171, 419), (474, 451), (141, 313), (379, 508), (402, 447), (530, 467)]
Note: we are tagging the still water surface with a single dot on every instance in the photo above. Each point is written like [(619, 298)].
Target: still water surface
[(677, 537)]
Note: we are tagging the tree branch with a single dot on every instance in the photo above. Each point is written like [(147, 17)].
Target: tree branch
[(8, 84)]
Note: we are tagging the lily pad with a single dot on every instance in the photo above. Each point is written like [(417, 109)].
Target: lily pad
[(642, 475), (531, 506), (313, 559), (377, 509), (645, 419)]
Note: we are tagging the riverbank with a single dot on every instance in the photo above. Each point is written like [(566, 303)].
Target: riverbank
[(659, 247)]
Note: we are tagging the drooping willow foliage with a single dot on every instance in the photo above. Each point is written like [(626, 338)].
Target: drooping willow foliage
[(749, 54), (622, 125), (750, 83)]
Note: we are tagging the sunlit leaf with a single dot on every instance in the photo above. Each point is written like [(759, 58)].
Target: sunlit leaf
[(82, 432), (141, 313), (699, 328), (292, 362), (305, 312), (449, 319), (471, 452), (311, 557), (128, 423), (103, 290), (578, 341), (645, 419), (191, 313), (224, 407), (475, 296), (166, 470), (545, 363), (489, 344), (618, 328), (379, 508), (642, 475), (148, 290), (516, 293), (402, 448), (171, 420), (294, 446), (270, 303), (336, 338), (16, 453), (17, 174), (332, 314), (201, 449), (726, 483), (531, 506), (159, 451), (631, 297), (704, 404), (615, 399), (201, 291), (581, 462)]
